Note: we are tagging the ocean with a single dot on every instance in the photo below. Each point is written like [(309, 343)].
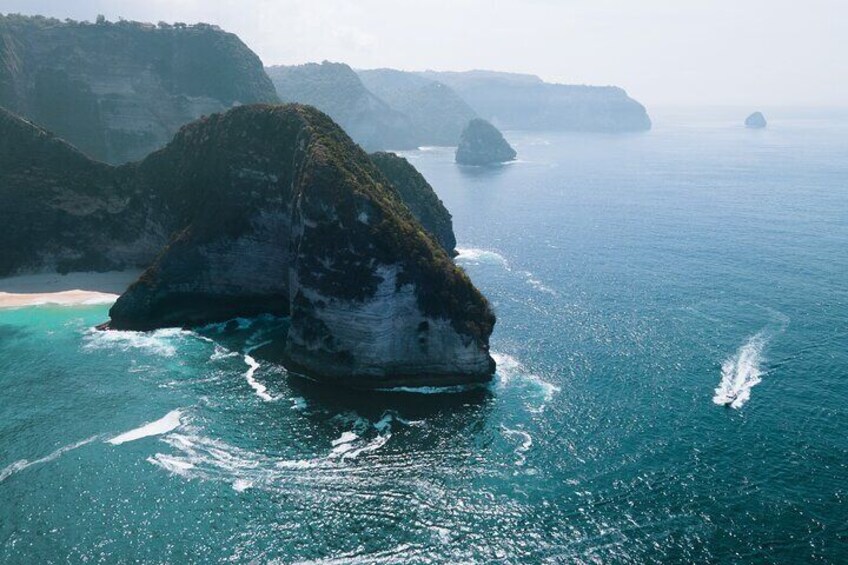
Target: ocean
[(672, 386)]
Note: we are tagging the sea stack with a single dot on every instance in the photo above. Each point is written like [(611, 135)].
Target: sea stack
[(481, 143), (755, 121)]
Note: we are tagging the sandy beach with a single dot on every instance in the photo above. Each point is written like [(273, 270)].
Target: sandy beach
[(64, 290)]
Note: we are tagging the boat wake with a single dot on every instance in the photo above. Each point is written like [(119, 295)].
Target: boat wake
[(741, 372)]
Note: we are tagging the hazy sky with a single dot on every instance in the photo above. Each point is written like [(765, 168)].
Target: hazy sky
[(747, 52)]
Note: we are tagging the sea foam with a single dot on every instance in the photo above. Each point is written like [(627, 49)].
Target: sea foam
[(169, 422)]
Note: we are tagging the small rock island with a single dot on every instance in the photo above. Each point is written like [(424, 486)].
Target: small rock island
[(482, 143), (755, 121)]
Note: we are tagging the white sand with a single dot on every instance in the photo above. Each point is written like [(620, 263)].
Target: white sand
[(64, 290)]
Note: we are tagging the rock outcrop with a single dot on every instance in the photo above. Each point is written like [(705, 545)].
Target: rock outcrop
[(755, 121), (482, 144), (526, 102), (273, 209), (118, 91), (335, 89)]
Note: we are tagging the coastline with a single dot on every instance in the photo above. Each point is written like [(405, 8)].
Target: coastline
[(73, 289)]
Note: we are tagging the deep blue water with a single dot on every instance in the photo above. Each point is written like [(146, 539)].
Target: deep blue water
[(632, 275)]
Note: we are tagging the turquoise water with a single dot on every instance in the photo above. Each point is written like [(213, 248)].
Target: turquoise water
[(638, 280)]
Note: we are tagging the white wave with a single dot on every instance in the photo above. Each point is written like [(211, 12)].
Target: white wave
[(261, 390), (161, 342), (523, 447), (222, 353), (352, 444), (196, 456), (510, 369), (474, 256), (169, 422), (741, 372), (450, 389), (346, 437), (531, 279), (22, 464)]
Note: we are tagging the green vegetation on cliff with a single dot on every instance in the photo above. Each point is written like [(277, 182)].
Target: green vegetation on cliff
[(419, 196)]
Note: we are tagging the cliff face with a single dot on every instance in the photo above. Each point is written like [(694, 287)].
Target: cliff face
[(437, 114), (334, 88), (272, 209), (419, 197), (482, 144), (292, 217), (118, 91), (514, 101)]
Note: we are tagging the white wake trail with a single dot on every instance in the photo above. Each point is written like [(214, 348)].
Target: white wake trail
[(741, 372)]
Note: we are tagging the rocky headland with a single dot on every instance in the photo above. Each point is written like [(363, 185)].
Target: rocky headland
[(262, 209)]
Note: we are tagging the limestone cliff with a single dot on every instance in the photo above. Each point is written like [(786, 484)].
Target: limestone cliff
[(272, 209), (118, 91), (482, 144)]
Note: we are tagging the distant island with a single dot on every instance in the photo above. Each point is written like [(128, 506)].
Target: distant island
[(121, 90), (755, 121), (482, 144), (262, 209)]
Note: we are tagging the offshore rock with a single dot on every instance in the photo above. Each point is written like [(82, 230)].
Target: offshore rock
[(482, 144), (755, 121)]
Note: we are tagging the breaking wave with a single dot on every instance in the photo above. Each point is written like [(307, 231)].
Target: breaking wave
[(511, 372), (196, 456), (160, 342), (474, 256)]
